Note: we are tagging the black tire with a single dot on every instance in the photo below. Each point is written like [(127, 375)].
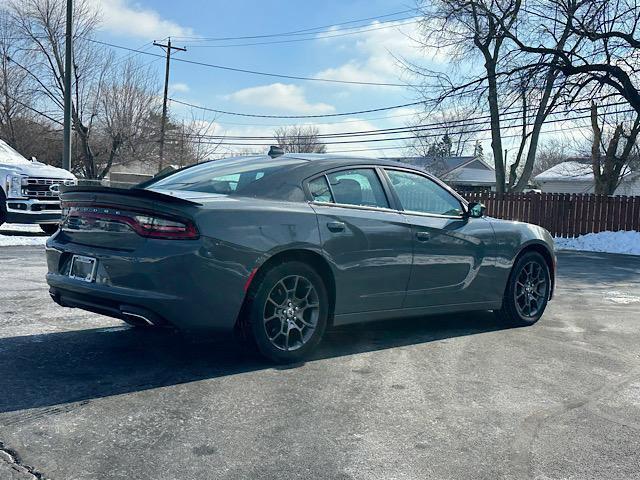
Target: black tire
[(3, 207), (49, 228), (518, 293), (268, 335)]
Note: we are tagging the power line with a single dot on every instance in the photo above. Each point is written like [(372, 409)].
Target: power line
[(306, 31), (380, 131), (428, 135), (316, 37), (142, 48), (340, 122), (253, 115), (255, 72), (543, 132), (416, 128), (464, 120)]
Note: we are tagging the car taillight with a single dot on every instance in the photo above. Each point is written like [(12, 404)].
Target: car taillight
[(113, 219), (158, 227)]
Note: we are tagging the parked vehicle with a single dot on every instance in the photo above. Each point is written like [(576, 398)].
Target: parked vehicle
[(29, 190), (281, 247)]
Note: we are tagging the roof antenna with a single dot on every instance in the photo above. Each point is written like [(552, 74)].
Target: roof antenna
[(275, 151)]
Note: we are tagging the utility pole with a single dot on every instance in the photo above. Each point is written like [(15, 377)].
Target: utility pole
[(66, 140), (168, 48)]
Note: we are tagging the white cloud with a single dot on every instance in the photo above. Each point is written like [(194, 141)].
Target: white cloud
[(280, 97), (119, 17), (179, 87), (378, 51)]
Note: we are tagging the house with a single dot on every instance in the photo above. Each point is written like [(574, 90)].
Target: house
[(464, 174), (576, 176)]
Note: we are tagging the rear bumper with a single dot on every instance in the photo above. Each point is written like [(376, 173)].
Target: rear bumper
[(113, 302), (173, 283)]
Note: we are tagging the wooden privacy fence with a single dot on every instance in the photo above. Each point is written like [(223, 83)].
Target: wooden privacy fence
[(564, 214)]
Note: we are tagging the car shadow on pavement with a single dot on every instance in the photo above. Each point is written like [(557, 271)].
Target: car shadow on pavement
[(57, 368)]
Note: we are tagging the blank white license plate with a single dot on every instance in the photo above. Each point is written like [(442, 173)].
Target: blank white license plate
[(83, 268)]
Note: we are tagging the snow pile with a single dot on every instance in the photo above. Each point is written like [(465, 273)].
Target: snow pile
[(610, 242), (18, 227), (12, 234)]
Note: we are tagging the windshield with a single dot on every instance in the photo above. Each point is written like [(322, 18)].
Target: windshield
[(231, 176)]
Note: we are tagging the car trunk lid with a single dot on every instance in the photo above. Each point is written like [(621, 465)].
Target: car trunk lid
[(123, 219)]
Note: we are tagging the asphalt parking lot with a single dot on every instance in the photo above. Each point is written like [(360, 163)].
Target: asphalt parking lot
[(458, 396)]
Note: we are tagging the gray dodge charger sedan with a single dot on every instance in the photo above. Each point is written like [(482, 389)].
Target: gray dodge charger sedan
[(280, 247)]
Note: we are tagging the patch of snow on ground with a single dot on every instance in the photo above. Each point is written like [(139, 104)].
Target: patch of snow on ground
[(12, 234), (609, 242), (623, 298), (18, 227)]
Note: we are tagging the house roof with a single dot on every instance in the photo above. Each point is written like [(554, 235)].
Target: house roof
[(447, 163), (470, 176), (571, 171), (460, 170)]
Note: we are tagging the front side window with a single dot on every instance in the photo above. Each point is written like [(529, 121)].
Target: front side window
[(420, 194), (359, 186)]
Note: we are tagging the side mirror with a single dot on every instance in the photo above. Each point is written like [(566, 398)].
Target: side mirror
[(476, 210)]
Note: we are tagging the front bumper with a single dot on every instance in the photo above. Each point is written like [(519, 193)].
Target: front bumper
[(32, 211), (161, 282)]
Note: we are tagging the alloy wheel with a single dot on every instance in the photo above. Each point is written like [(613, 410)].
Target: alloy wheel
[(291, 312), (531, 290)]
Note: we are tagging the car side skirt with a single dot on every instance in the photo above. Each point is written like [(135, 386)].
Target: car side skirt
[(349, 318)]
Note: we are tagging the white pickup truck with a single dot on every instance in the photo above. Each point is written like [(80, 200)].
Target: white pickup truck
[(29, 190)]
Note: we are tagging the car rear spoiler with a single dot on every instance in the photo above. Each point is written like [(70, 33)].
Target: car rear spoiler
[(66, 190)]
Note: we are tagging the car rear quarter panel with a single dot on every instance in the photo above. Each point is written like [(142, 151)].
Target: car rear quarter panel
[(239, 235)]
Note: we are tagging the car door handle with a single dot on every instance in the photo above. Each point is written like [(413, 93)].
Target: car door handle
[(336, 226), (423, 236)]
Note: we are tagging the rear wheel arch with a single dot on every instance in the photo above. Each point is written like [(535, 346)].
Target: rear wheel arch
[(312, 258)]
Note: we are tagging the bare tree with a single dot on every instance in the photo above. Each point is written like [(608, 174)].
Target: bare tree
[(127, 99), (16, 100), (612, 147), (550, 154), (453, 136), (299, 139), (41, 24), (201, 143), (482, 30), (601, 50), (463, 28)]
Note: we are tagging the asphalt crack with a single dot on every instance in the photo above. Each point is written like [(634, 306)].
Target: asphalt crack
[(13, 460)]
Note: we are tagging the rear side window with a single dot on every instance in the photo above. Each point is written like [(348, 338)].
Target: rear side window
[(232, 176), (320, 190), (420, 194), (358, 187)]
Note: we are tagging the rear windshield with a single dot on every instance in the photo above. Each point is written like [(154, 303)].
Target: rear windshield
[(231, 176)]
